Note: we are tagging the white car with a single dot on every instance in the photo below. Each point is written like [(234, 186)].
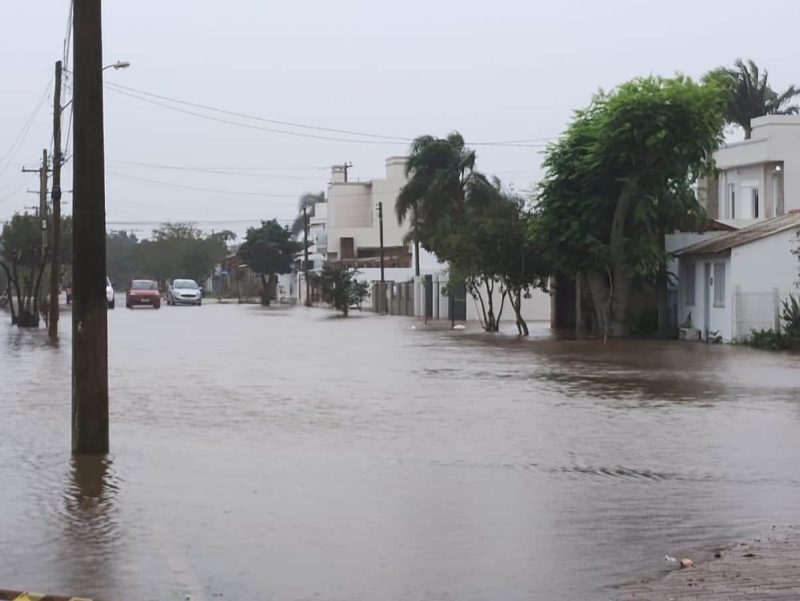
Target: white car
[(109, 293), (184, 292)]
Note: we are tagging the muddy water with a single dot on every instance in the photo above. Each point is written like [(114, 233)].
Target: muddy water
[(278, 454)]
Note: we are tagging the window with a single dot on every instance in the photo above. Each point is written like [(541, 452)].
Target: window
[(732, 201), (689, 279), (719, 284), (754, 196)]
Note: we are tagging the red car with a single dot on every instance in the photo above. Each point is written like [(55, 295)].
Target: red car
[(143, 293)]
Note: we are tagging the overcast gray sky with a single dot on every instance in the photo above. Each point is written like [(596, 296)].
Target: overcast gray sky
[(495, 71)]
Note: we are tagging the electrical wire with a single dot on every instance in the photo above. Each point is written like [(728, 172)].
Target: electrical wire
[(247, 125), (232, 169), (198, 188), (215, 171), (162, 100), (15, 147)]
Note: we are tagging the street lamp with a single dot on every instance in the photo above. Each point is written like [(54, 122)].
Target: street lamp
[(118, 65)]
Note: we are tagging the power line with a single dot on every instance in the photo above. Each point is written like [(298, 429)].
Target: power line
[(198, 188), (227, 168), (15, 147), (149, 97), (216, 171), (247, 125), (263, 119)]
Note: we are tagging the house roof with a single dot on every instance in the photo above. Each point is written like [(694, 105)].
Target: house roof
[(762, 229)]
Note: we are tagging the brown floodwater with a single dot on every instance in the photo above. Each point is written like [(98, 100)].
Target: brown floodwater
[(284, 454)]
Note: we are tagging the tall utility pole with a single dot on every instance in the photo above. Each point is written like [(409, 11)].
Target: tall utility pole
[(55, 229), (305, 257), (383, 280), (43, 201), (346, 166), (89, 304), (41, 211)]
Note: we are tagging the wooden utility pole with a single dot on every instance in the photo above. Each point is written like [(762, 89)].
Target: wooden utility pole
[(89, 305), (55, 229), (43, 201), (383, 280), (305, 257)]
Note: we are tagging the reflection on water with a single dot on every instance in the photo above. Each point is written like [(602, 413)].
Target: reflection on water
[(281, 454)]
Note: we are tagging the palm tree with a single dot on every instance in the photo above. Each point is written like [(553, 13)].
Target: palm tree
[(441, 173), (750, 95), (307, 201)]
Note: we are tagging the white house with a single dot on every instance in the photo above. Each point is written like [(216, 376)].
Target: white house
[(353, 224), (734, 283), (758, 178)]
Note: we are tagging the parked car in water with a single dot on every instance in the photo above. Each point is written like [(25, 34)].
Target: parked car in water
[(184, 292), (143, 293), (109, 293)]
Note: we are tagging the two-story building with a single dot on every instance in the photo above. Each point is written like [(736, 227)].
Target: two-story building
[(353, 221), (731, 283), (758, 178)]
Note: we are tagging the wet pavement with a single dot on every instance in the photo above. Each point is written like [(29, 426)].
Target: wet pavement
[(285, 454)]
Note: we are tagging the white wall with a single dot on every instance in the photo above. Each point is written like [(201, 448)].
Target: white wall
[(767, 263), (352, 210)]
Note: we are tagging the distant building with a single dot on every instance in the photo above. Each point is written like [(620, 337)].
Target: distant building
[(353, 235)]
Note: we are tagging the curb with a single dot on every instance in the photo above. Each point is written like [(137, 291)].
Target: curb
[(20, 596)]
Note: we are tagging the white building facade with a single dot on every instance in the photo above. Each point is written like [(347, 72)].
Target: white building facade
[(758, 178)]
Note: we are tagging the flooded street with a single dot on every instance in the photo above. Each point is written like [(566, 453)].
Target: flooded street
[(285, 454)]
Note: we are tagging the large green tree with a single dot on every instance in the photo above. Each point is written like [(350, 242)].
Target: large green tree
[(750, 95), (269, 250), (620, 176)]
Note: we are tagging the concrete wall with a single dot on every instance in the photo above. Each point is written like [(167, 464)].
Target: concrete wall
[(535, 308)]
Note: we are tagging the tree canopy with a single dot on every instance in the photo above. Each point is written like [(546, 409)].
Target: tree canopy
[(621, 175), (339, 287), (269, 250), (173, 250)]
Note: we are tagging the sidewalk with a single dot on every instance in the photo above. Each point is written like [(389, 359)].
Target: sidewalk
[(765, 568)]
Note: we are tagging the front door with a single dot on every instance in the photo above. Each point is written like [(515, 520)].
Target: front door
[(707, 301)]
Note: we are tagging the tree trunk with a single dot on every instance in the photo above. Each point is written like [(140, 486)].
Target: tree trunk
[(516, 303), (598, 288), (416, 258), (748, 130), (264, 291), (490, 322), (621, 274), (661, 292)]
